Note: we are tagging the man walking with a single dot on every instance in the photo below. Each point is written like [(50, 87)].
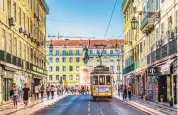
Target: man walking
[(26, 92), (48, 89), (129, 91), (37, 90)]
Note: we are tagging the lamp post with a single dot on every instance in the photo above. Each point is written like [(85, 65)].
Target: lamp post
[(134, 23)]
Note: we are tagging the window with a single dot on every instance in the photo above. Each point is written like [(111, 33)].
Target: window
[(50, 60), (77, 59), (24, 52), (10, 43), (102, 80), (15, 18), (108, 80), (50, 53), (70, 59), (104, 51), (57, 77), (71, 77), (63, 68), (57, 68), (64, 77), (91, 51), (95, 80), (19, 15), (77, 77), (77, 52), (70, 52), (2, 5), (77, 68), (63, 59), (111, 51), (15, 46), (3, 40), (64, 53), (157, 4), (9, 8), (50, 68), (57, 52), (20, 45), (111, 68), (57, 60), (50, 77), (70, 68)]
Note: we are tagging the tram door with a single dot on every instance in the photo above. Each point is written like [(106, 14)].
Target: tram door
[(95, 84)]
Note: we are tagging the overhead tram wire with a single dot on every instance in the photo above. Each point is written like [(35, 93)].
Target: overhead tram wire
[(110, 19)]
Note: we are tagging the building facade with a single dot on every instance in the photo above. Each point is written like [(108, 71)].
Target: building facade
[(65, 59), (22, 46), (151, 48)]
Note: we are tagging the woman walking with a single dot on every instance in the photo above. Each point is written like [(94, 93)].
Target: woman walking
[(130, 91), (15, 95), (26, 92), (42, 89)]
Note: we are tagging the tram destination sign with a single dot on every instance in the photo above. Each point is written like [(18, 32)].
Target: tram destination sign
[(101, 68)]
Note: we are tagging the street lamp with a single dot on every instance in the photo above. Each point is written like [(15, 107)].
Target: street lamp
[(134, 23)]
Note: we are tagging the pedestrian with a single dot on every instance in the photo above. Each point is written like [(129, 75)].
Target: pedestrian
[(48, 89), (87, 89), (15, 94), (26, 93), (37, 91), (129, 91), (124, 92), (52, 91), (58, 90), (42, 89)]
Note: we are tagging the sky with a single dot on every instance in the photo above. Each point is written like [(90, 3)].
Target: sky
[(86, 18)]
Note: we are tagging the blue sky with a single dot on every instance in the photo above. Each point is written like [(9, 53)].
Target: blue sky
[(87, 18)]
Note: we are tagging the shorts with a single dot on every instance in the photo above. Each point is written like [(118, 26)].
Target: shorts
[(15, 97)]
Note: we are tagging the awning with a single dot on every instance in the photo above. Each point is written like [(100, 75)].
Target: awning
[(165, 68)]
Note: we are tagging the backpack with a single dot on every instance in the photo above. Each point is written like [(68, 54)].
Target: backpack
[(11, 92)]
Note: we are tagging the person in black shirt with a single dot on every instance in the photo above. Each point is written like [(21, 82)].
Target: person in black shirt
[(26, 92)]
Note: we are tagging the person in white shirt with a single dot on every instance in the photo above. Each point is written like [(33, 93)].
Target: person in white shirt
[(37, 91)]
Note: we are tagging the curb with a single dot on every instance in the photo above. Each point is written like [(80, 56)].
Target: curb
[(142, 109), (49, 105)]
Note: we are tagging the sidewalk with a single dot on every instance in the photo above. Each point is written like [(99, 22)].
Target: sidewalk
[(34, 105), (149, 107)]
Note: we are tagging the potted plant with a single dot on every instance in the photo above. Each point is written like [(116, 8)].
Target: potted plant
[(161, 98), (171, 101)]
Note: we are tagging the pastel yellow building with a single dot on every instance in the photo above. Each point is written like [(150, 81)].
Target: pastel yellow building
[(22, 45)]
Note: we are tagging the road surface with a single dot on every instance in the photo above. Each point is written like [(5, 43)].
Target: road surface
[(84, 105)]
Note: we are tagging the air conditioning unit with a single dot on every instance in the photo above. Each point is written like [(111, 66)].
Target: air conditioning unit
[(11, 21), (21, 30)]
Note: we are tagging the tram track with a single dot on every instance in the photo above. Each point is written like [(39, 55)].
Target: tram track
[(114, 109)]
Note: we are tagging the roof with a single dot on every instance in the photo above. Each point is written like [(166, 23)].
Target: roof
[(91, 43), (45, 5)]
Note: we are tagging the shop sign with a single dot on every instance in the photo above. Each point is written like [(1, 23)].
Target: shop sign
[(153, 71)]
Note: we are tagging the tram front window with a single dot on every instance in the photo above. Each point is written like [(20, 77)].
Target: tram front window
[(108, 80), (101, 80), (95, 80)]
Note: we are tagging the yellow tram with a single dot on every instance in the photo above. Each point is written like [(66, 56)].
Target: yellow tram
[(101, 83)]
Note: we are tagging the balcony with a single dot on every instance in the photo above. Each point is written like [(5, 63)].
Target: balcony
[(164, 51), (107, 54), (147, 24)]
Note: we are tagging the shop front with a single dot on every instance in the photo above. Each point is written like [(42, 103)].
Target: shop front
[(8, 79)]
